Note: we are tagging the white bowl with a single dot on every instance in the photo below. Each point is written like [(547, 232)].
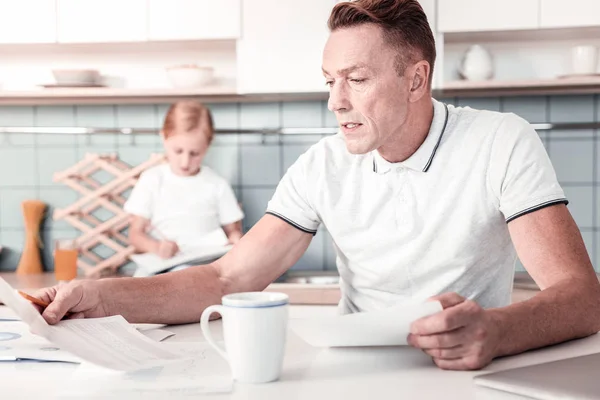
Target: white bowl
[(76, 76), (189, 76)]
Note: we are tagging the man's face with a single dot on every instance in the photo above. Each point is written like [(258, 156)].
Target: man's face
[(368, 97)]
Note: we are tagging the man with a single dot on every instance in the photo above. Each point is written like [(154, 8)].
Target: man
[(422, 200)]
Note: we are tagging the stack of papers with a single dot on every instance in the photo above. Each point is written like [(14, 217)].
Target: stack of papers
[(17, 343), (26, 346), (109, 342), (116, 358)]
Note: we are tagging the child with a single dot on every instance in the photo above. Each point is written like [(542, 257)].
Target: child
[(183, 203)]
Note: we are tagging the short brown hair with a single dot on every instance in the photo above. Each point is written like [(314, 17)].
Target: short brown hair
[(187, 116), (403, 22)]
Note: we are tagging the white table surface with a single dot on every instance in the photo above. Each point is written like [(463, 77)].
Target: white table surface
[(313, 373)]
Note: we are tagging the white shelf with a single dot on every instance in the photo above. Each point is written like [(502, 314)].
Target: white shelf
[(561, 34), (209, 94), (227, 94), (566, 85)]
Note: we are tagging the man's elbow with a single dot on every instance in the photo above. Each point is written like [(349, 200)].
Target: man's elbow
[(223, 283)]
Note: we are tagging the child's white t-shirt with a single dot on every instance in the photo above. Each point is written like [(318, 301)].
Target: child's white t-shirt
[(189, 210)]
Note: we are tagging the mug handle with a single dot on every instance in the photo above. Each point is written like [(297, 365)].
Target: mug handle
[(205, 326)]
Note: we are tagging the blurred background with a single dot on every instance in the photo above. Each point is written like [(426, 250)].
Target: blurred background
[(97, 76)]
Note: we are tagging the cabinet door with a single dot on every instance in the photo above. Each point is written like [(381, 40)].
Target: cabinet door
[(87, 21), (572, 13), (194, 19), (27, 21), (282, 45), (487, 15)]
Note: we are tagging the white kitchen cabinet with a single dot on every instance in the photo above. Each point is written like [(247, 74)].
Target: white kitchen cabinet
[(282, 45), (574, 13), (195, 19), (429, 6), (91, 21), (488, 15), (27, 21)]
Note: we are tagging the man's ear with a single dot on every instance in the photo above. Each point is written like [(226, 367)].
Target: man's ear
[(420, 79), (417, 82)]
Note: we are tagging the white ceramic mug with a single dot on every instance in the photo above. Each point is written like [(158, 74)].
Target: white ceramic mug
[(254, 330), (584, 59)]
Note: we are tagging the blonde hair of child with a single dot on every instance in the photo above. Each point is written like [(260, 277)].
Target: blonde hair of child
[(188, 116)]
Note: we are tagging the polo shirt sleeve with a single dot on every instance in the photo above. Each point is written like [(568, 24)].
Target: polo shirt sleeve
[(291, 201), (141, 200), (521, 175)]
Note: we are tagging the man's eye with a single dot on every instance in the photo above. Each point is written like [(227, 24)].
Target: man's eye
[(329, 83), (356, 80)]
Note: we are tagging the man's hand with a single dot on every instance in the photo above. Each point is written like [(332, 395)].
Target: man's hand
[(166, 249), (81, 298), (461, 337)]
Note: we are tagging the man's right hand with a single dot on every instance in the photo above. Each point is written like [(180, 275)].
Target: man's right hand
[(166, 249), (81, 298)]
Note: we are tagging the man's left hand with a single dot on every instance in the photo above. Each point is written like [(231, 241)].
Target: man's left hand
[(463, 336)]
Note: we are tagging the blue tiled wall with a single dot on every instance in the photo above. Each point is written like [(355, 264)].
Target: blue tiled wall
[(253, 164)]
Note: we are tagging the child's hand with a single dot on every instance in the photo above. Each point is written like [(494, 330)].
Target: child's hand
[(233, 239), (167, 249)]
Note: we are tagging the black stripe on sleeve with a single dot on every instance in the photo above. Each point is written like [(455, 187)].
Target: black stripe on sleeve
[(538, 207), (294, 224)]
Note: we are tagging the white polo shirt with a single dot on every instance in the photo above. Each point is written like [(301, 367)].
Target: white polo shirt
[(436, 222)]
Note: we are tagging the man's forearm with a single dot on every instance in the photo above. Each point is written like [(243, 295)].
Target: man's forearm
[(567, 310), (172, 298)]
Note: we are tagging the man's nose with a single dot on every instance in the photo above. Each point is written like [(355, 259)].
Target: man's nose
[(338, 99)]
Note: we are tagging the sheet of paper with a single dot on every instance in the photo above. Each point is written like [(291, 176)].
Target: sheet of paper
[(21, 307), (203, 371), (158, 335), (6, 314), (151, 264), (147, 327), (108, 342), (18, 343), (387, 327)]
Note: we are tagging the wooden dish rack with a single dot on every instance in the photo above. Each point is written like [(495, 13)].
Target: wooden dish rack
[(96, 195)]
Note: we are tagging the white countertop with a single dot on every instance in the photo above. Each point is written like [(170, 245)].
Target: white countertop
[(313, 373)]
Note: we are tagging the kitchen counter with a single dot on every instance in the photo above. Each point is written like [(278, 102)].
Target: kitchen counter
[(300, 293), (309, 372), (524, 288)]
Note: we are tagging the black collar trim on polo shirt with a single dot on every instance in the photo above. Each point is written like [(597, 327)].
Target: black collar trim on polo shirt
[(439, 140), (433, 152)]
